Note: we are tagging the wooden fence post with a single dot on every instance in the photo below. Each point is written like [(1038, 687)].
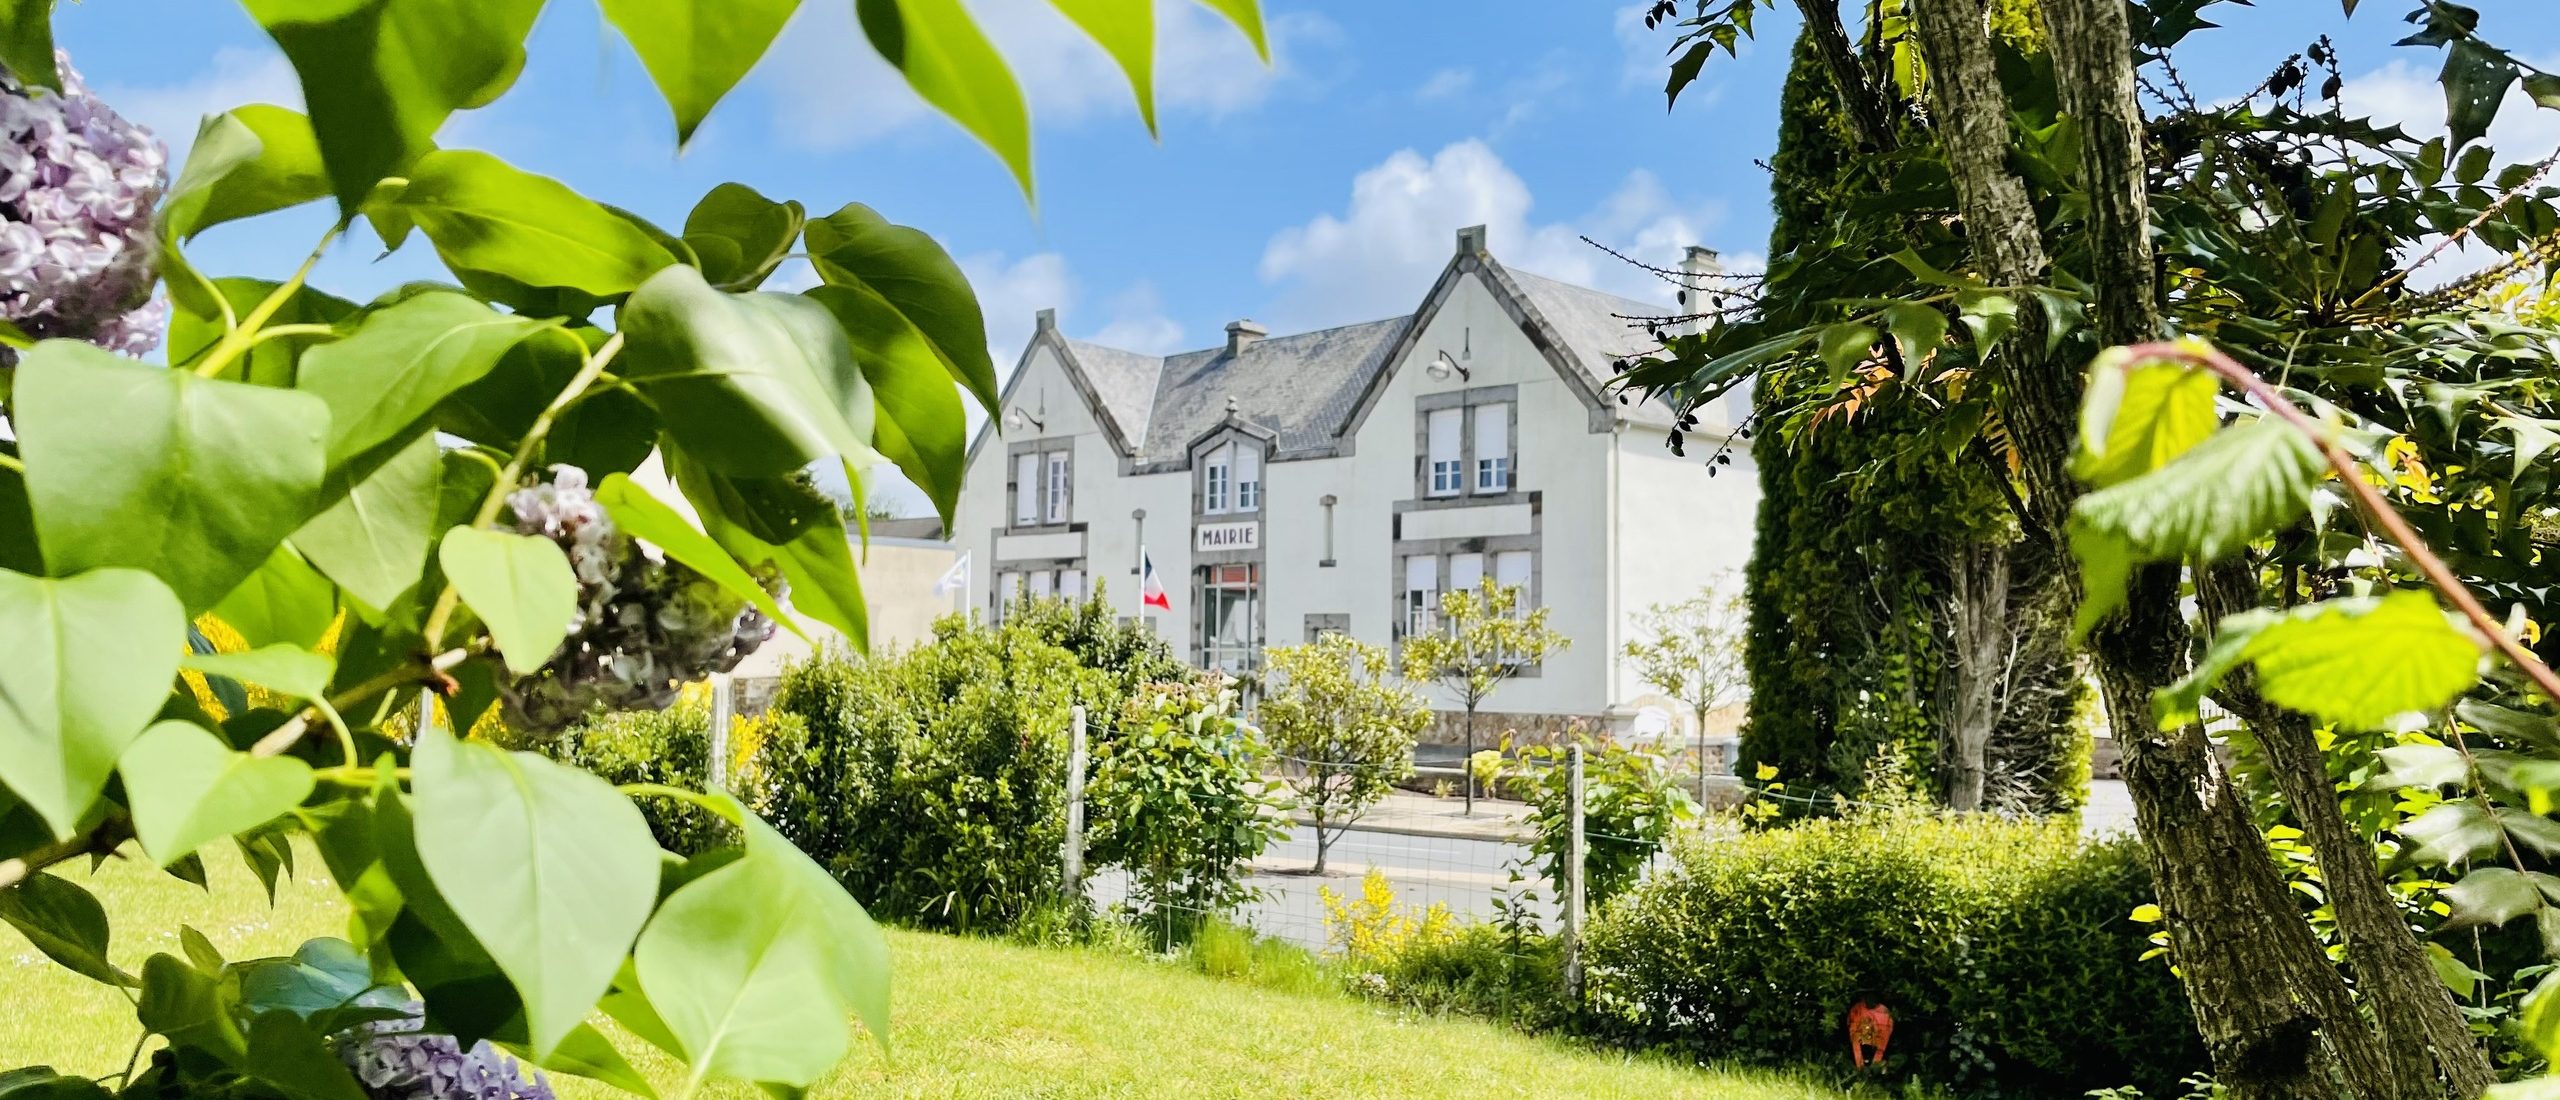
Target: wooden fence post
[(1575, 849), (716, 768), (1071, 857)]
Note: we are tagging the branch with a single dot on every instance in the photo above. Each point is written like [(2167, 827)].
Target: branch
[(2092, 47), (1859, 93), (2369, 500)]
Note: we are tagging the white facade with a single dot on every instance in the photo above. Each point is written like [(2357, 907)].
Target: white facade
[(1340, 479)]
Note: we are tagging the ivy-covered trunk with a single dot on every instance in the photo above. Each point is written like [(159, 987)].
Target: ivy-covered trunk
[(1978, 613)]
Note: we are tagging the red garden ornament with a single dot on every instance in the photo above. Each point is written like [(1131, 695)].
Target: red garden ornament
[(1869, 1026)]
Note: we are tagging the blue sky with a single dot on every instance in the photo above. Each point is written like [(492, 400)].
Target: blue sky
[(1321, 190)]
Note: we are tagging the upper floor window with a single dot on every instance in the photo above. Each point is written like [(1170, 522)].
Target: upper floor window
[(1444, 431), (1026, 488), (1217, 481), (1058, 486), (1493, 447), (1231, 478)]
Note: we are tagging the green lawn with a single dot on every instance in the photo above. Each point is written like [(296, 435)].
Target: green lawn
[(973, 1019)]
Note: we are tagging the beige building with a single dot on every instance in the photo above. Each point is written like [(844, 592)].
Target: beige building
[(1340, 480)]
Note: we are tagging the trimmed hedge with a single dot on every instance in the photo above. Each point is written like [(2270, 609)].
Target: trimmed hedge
[(2004, 950), (671, 747)]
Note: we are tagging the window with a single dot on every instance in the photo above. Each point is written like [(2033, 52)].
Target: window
[(1466, 572), (1447, 470), (1058, 483), (1215, 479), (1042, 582), (1511, 570), (1248, 478), (1421, 595), (1026, 489), (1071, 584), (1229, 640), (1493, 447)]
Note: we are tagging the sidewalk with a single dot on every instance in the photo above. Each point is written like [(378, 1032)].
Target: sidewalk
[(1410, 814)]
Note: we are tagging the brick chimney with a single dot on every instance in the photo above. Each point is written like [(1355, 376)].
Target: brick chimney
[(1242, 334), (1702, 294)]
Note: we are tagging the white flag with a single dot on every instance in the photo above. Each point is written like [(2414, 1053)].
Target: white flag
[(955, 579)]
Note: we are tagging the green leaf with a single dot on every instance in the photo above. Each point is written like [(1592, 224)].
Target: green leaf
[(2063, 314), (2540, 1023), (753, 384), (247, 161), (382, 380), (520, 585), (2452, 832), (84, 663), (649, 519), (951, 65), (188, 789), (2532, 438), (285, 669), (857, 248), (1917, 332), (42, 1083), (287, 1055), (585, 1052), (2544, 89), (696, 50), (2475, 79), (26, 43), (2421, 765), (2235, 486), (284, 602), (583, 871), (2136, 418), (2357, 663), (1929, 274), (488, 217), (1126, 29), (1846, 345), (374, 540), (2495, 895), (1247, 16), (65, 923), (740, 236), (188, 1007), (920, 424), (2456, 976), (197, 483), (382, 76), (776, 520), (608, 430), (1990, 317), (754, 966)]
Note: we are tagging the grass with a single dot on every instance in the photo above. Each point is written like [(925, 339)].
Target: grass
[(973, 1018)]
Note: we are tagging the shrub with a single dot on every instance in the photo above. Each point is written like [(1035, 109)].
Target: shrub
[(932, 783), (1630, 804), (1175, 796), (1343, 727), (672, 748), (2004, 950), (1130, 654)]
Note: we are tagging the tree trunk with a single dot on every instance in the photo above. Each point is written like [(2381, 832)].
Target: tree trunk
[(2232, 924), (2422, 1031), (1702, 757), (1978, 615), (1324, 843), (1467, 766)]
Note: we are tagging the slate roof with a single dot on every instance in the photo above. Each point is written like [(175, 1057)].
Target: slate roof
[(1303, 387)]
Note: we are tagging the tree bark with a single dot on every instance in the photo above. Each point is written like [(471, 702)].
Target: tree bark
[(1978, 613), (1859, 94), (2232, 924), (2423, 1034)]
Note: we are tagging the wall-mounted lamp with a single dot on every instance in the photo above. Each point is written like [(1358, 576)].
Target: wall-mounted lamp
[(1022, 418), (1443, 366)]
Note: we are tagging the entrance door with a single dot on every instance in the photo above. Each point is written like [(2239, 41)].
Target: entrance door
[(1230, 618)]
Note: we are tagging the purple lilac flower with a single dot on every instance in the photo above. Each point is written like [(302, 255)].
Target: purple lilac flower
[(644, 627), (398, 1060), (77, 185)]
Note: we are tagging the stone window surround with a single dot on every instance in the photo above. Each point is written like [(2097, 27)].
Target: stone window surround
[(1254, 557), (1534, 542), (1199, 466), (1465, 400), (1013, 489)]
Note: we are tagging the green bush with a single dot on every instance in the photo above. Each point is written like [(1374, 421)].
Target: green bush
[(1175, 795), (932, 782), (671, 748), (2004, 950), (1631, 802)]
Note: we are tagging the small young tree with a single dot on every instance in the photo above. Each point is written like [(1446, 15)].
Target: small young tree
[(1485, 639), (1695, 655), (1342, 727)]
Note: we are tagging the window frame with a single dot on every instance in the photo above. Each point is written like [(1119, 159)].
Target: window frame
[(1057, 486), (1492, 473)]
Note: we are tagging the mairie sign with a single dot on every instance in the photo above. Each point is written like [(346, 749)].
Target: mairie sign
[(1213, 537)]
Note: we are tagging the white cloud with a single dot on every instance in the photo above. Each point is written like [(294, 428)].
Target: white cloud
[(1446, 84), (1533, 93), (835, 93), (1138, 322), (237, 76), (1377, 257), (1011, 292)]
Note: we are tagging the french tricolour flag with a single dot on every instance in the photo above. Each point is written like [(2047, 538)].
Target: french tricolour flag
[(1150, 587)]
